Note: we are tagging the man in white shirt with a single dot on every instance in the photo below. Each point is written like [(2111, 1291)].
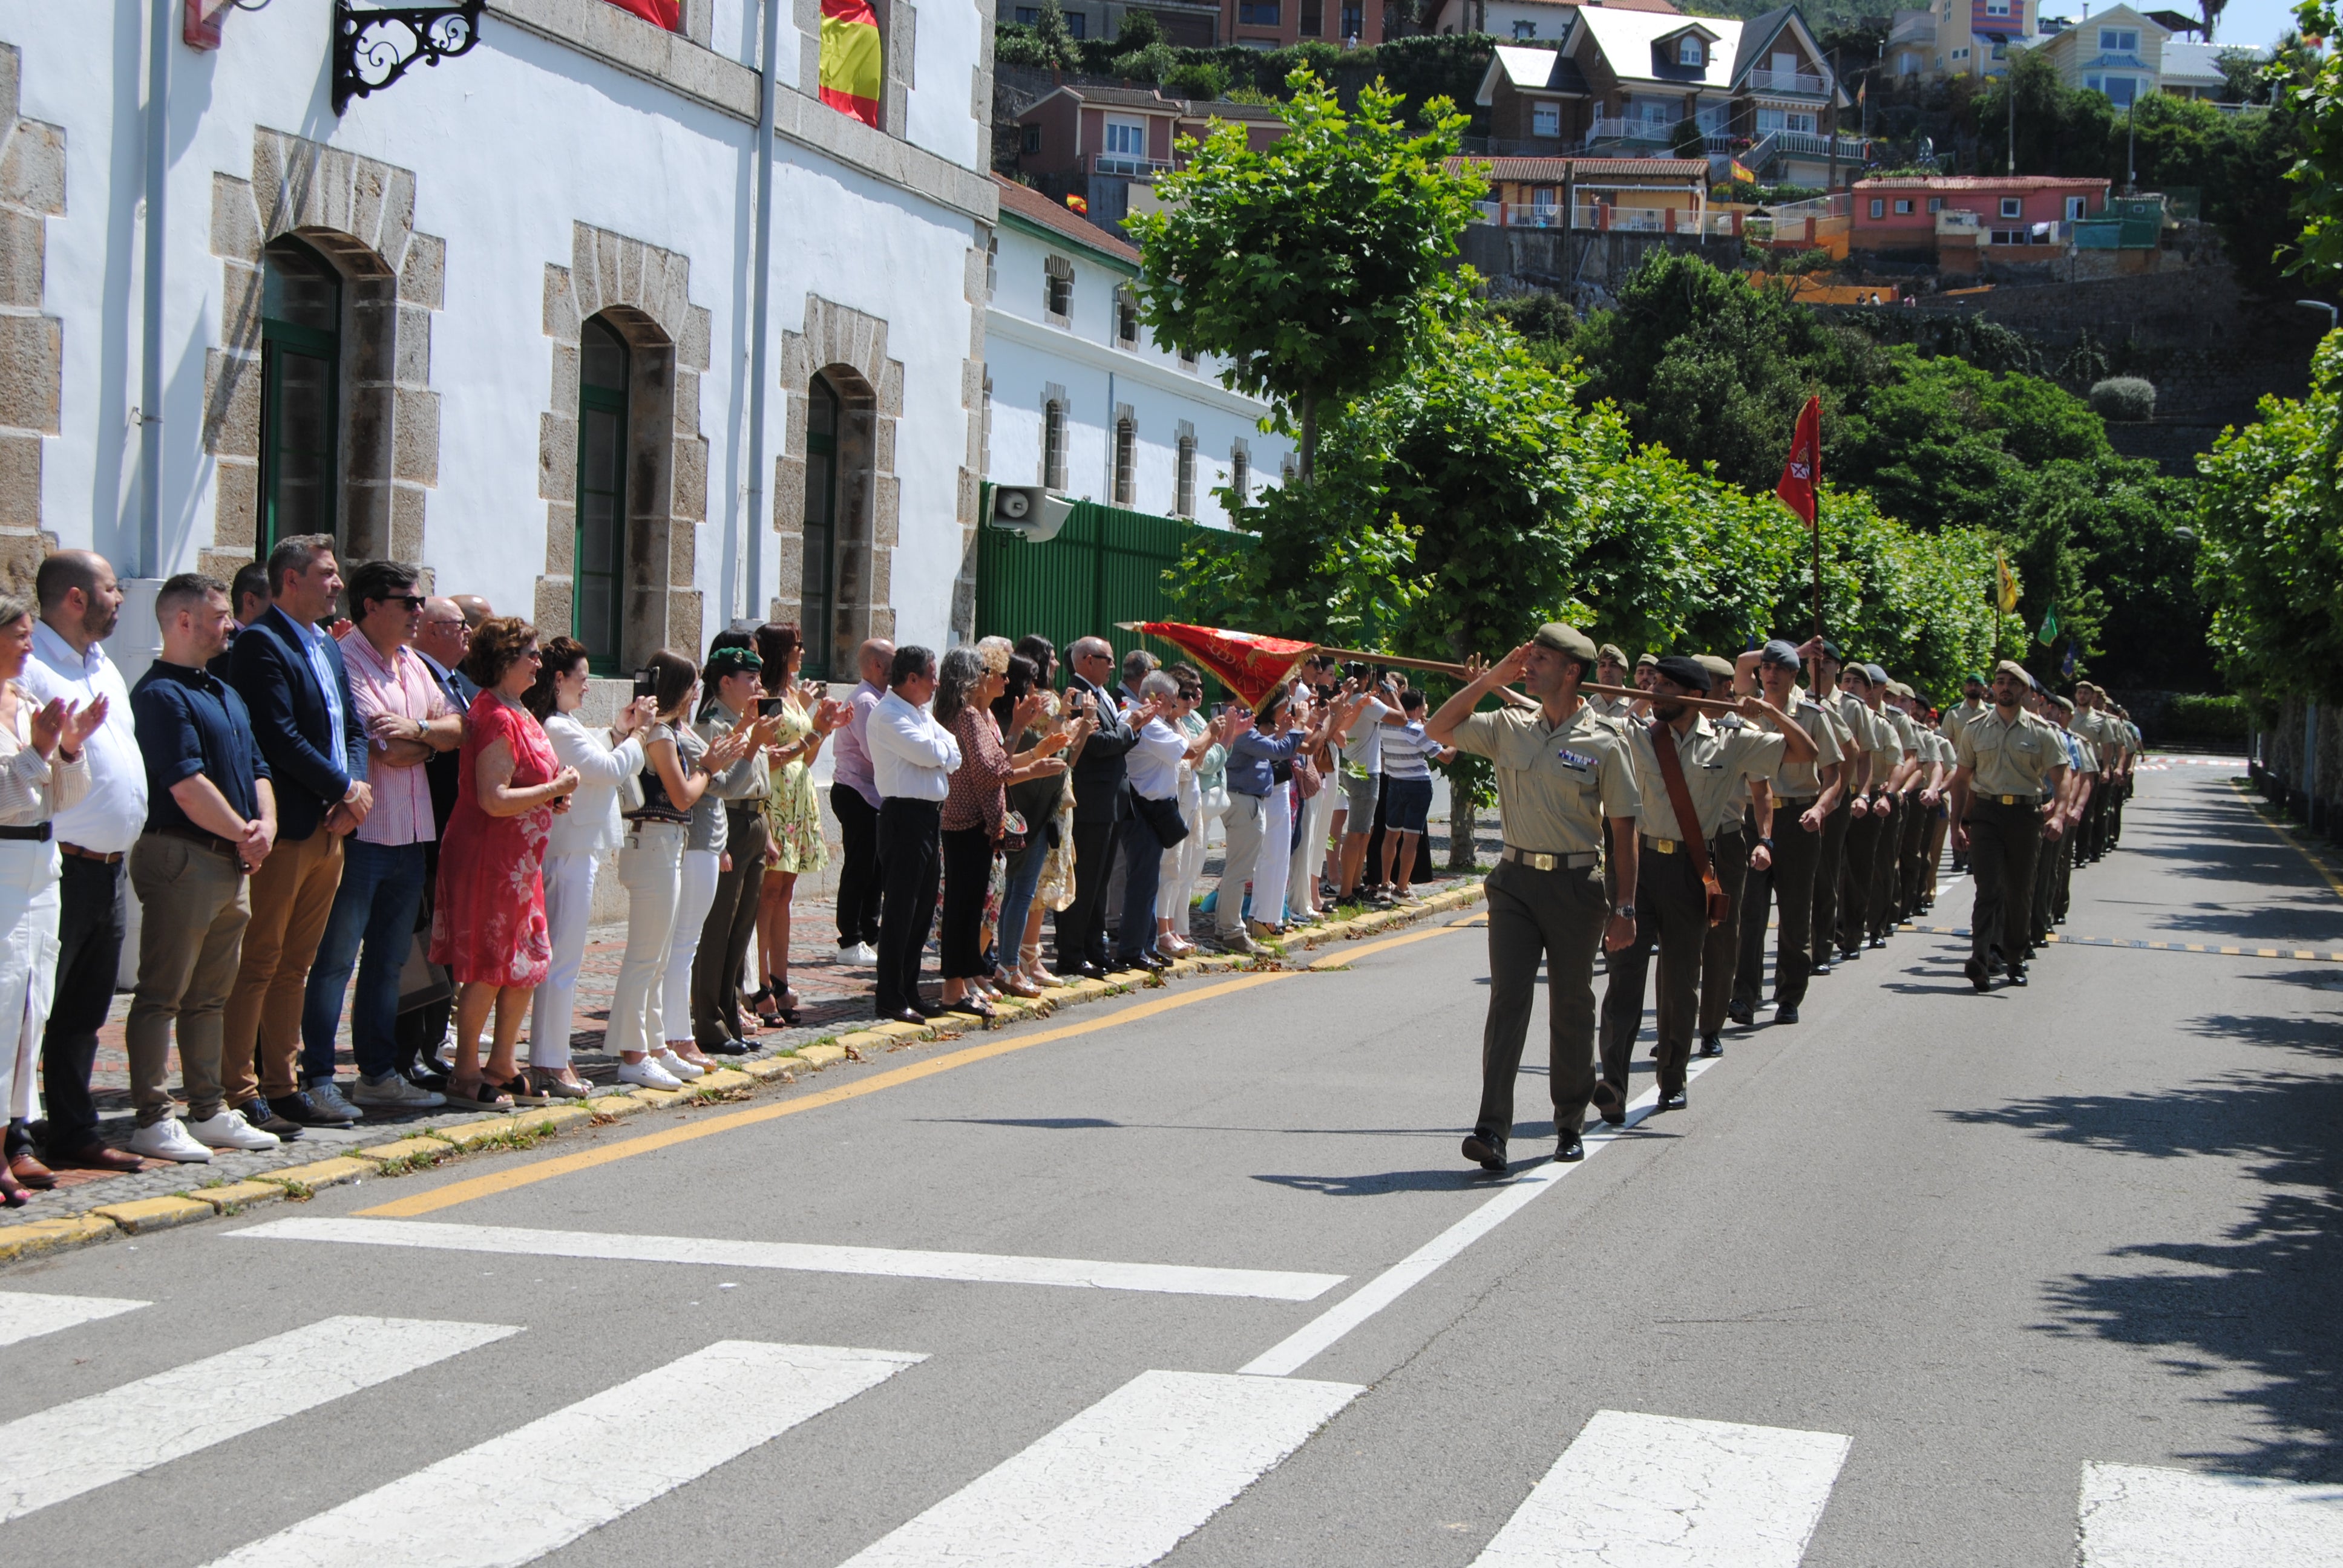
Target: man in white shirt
[(912, 758), (80, 603), (1153, 765)]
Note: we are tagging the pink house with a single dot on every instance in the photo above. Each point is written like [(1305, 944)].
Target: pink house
[(1937, 214)]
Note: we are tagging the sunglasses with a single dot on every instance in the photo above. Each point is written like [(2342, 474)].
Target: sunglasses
[(411, 600)]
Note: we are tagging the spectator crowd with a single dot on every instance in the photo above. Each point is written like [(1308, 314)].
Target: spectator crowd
[(329, 793)]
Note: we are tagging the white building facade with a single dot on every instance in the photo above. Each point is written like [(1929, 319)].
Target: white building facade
[(1083, 400), (498, 317)]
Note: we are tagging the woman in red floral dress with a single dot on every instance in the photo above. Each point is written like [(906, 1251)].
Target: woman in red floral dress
[(489, 924)]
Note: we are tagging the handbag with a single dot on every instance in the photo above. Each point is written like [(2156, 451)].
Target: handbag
[(422, 982), (1307, 778), (1163, 818), (1664, 745), (1014, 834)]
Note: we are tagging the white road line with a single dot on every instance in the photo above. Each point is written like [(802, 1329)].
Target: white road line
[(515, 1498), (1120, 1484), (77, 1447), (27, 1314), (979, 1267), (1660, 1492), (1306, 1344), (2134, 1516)]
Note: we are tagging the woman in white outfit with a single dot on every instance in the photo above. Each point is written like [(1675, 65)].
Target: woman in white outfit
[(731, 683), (651, 867), (41, 772), (589, 828), (1184, 862)]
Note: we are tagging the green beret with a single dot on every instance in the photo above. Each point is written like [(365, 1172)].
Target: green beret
[(1567, 641)]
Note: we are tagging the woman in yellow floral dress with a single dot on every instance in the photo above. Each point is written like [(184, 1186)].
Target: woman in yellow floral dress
[(794, 845)]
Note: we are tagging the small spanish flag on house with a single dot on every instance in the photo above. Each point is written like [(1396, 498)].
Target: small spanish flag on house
[(1743, 172), (1079, 204), (853, 63)]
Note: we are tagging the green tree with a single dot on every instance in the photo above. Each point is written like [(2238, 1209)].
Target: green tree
[(2269, 521), (2319, 172), (1319, 265)]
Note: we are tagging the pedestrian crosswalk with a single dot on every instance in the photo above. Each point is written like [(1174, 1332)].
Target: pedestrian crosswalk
[(1119, 1485)]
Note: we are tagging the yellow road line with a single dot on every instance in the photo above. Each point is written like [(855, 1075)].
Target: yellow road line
[(455, 1192), (1344, 955), (2283, 832)]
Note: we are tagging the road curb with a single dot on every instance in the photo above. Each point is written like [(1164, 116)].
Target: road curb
[(425, 1150)]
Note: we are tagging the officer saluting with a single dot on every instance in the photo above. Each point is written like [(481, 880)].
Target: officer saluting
[(1562, 770), (2011, 769)]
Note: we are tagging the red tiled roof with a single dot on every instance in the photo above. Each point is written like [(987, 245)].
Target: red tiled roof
[(1034, 207), (1145, 100), (1983, 182)]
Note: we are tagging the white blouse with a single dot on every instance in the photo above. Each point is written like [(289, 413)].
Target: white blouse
[(591, 823), (33, 788)]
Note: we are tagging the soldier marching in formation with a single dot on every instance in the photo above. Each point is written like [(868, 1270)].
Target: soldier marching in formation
[(1727, 800)]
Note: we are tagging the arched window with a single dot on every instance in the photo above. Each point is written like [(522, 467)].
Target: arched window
[(1126, 463), (300, 396), (1184, 499), (820, 577), (1053, 445), (598, 612)]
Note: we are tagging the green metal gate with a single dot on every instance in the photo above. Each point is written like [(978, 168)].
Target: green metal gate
[(1106, 565)]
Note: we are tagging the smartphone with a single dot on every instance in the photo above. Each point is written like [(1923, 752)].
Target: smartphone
[(646, 684), (1219, 709), (768, 706)]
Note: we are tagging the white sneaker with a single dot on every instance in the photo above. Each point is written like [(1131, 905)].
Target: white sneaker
[(648, 1074), (323, 1093), (229, 1130), (679, 1066), (390, 1089), (860, 953), (166, 1139)]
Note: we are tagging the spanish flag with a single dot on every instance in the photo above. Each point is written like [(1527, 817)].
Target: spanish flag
[(2005, 585), (666, 13), (853, 67), (1743, 173), (1079, 204)]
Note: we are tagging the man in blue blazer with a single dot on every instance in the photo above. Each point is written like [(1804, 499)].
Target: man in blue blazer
[(290, 675)]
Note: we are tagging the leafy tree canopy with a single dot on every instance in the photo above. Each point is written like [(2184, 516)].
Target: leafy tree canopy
[(1318, 265)]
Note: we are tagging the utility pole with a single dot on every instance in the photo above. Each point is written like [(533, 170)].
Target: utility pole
[(2009, 90)]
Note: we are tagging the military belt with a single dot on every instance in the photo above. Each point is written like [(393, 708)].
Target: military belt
[(1536, 861)]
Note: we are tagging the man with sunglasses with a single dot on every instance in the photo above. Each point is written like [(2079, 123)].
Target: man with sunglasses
[(409, 720)]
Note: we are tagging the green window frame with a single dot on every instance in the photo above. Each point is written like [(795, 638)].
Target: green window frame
[(818, 581), (598, 557), (300, 394)]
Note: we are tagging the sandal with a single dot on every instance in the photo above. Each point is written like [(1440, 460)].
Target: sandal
[(481, 1096), (562, 1089), (763, 995)]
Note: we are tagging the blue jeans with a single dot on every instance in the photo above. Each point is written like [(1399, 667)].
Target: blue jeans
[(1017, 889), (382, 889)]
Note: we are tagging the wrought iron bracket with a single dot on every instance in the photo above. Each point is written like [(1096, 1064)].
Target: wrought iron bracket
[(375, 44)]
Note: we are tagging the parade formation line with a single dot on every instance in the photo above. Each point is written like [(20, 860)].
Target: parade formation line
[(2209, 949)]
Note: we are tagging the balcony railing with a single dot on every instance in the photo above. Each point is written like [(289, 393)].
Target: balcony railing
[(1620, 128), (1123, 164), (1764, 81), (1809, 144), (1605, 217)]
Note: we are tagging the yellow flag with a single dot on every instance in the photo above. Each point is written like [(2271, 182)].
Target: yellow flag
[(2004, 584), (853, 67)]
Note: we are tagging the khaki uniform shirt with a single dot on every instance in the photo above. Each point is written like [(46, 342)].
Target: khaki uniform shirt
[(1961, 716), (2014, 759), (1864, 734), (1716, 764), (2096, 728), (1802, 780), (1555, 783), (1612, 707), (1907, 742)]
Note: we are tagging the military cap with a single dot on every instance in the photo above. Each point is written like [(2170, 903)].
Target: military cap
[(2011, 667), (1648, 658), (1779, 652), (1689, 673), (1567, 641), (1719, 669), (2066, 704), (1897, 688), (1973, 679), (1831, 651), (1878, 675), (1612, 652)]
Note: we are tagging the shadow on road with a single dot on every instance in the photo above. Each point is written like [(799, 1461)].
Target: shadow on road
[(2257, 1300)]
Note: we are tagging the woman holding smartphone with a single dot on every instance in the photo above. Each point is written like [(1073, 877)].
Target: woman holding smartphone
[(802, 719)]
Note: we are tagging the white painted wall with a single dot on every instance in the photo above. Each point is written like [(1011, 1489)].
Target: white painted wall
[(1025, 353), (510, 143)]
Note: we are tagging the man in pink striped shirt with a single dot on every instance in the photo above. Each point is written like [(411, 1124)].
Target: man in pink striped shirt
[(407, 718)]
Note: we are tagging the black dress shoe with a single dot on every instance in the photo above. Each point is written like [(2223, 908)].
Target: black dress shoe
[(905, 1015), (1568, 1150), (257, 1113), (1785, 1012), (2017, 974), (1711, 1045), (1149, 961), (931, 1008), (1850, 955), (1670, 1099), (1486, 1150), (1090, 970), (1879, 942), (726, 1048), (1979, 976), (424, 1077), (1823, 968), (1609, 1104), (1739, 1014), (303, 1111)]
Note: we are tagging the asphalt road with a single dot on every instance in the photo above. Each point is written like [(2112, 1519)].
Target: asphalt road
[(1202, 1274)]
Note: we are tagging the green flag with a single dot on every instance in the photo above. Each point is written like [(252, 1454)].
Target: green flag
[(2049, 632)]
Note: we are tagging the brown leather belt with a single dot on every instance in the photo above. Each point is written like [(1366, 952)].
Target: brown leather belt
[(203, 841), (78, 853)]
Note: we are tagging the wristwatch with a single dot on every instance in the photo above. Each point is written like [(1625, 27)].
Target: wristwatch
[(1624, 912), (1767, 840)]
